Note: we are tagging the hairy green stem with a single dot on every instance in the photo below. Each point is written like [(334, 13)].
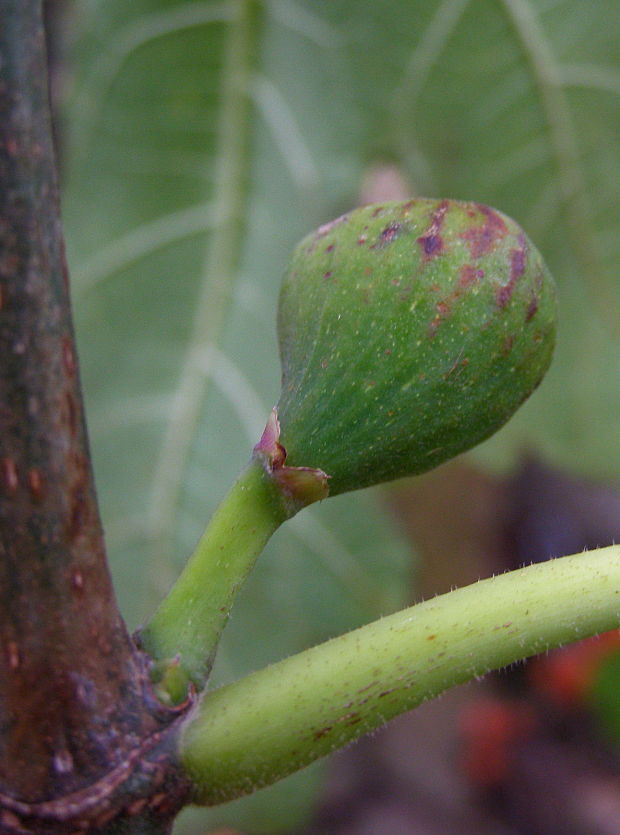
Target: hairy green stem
[(251, 733), (185, 630)]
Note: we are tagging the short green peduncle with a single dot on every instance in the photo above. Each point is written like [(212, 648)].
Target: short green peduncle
[(184, 631)]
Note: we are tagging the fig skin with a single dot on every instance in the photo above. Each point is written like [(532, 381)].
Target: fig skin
[(409, 332)]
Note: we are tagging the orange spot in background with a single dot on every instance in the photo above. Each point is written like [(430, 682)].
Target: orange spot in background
[(566, 676), (489, 728)]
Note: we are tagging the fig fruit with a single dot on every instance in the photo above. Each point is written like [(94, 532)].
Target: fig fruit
[(409, 332)]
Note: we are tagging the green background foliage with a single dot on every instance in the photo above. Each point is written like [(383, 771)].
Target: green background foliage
[(515, 103)]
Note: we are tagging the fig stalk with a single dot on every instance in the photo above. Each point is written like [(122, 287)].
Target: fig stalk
[(184, 632)]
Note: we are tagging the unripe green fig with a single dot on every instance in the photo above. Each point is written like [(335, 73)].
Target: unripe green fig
[(409, 332)]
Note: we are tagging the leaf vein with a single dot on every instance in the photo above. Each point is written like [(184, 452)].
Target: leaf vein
[(91, 94), (140, 242), (217, 285), (571, 179)]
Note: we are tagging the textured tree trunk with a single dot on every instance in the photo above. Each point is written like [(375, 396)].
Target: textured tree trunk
[(81, 736)]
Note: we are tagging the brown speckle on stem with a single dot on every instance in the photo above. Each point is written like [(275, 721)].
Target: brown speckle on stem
[(68, 356), (71, 413)]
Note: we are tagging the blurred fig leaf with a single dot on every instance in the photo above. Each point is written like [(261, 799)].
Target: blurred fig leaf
[(182, 210)]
